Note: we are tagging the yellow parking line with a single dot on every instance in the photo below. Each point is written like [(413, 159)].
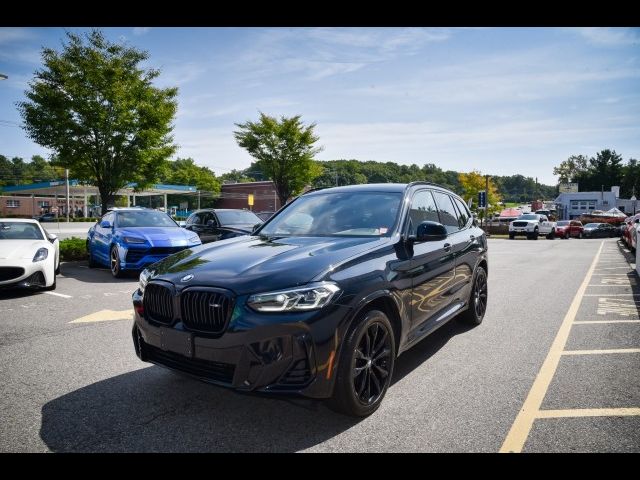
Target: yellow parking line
[(601, 352), (105, 316), (605, 321), (521, 427), (589, 412)]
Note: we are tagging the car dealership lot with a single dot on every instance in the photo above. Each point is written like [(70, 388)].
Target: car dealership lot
[(561, 337)]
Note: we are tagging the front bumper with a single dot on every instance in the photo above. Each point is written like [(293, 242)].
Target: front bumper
[(32, 276), (521, 231), (139, 257), (279, 354)]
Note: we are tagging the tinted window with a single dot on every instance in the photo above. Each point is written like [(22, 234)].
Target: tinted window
[(564, 223), (423, 208), (463, 212), (447, 212), (238, 217), (529, 216), (337, 214), (148, 218), (20, 231)]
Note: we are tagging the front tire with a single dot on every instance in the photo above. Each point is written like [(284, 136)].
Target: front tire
[(477, 300), (511, 236), (365, 368), (116, 269)]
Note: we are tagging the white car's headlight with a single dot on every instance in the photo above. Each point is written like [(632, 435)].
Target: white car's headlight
[(312, 297), (40, 255), (195, 239), (144, 279)]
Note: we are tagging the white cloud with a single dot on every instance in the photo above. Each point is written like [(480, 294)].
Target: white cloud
[(609, 36), (8, 35), (141, 30)]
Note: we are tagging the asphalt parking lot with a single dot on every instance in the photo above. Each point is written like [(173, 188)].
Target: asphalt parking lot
[(555, 367)]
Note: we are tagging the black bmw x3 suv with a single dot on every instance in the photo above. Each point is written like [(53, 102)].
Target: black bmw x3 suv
[(320, 299)]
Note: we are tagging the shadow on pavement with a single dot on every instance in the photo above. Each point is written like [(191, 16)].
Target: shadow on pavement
[(156, 410), (80, 271)]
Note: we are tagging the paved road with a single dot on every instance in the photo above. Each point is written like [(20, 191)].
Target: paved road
[(79, 386)]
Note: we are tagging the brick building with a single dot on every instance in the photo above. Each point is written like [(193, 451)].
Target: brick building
[(29, 206), (235, 195)]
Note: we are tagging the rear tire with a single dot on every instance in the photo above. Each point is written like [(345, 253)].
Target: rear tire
[(511, 236), (477, 300), (365, 367)]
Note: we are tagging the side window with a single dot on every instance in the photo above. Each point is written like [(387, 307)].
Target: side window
[(193, 219), (423, 208), (109, 217), (463, 212), (209, 217), (447, 212)]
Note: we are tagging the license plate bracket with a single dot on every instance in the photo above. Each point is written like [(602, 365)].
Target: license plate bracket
[(176, 341)]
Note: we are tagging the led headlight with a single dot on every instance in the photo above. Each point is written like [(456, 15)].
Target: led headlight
[(144, 279), (40, 255), (312, 297), (134, 240)]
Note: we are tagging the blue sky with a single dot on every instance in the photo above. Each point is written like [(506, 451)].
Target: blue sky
[(500, 100)]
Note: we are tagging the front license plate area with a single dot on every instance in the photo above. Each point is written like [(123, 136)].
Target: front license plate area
[(176, 341)]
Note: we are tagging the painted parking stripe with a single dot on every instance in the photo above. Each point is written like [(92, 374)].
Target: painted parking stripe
[(105, 316), (523, 422), (601, 352), (59, 294), (590, 412), (613, 294), (586, 322)]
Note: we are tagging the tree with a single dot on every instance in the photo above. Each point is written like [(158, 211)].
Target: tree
[(630, 184), (184, 171), (97, 109), (605, 171), (474, 182), (284, 151), (572, 169)]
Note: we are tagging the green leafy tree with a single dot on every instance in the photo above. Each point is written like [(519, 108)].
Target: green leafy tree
[(284, 151), (573, 169), (630, 184), (605, 171), (184, 171), (97, 109), (474, 182)]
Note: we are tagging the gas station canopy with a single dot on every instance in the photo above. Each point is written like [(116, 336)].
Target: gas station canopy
[(78, 189)]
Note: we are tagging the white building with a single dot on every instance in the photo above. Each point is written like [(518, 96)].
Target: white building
[(575, 204)]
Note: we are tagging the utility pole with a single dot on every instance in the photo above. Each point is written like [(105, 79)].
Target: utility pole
[(198, 199), (66, 181)]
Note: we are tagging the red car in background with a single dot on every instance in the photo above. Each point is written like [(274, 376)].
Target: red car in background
[(569, 228), (629, 233)]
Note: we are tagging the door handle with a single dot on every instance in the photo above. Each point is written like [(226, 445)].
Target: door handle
[(447, 247)]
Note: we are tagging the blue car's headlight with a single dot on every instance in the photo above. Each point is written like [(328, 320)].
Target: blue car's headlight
[(312, 297), (133, 240)]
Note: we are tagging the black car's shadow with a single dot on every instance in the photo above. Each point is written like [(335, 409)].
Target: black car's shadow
[(79, 270), (155, 410), (11, 293)]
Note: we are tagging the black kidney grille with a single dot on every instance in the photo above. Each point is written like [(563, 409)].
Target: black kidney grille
[(205, 311), (158, 303)]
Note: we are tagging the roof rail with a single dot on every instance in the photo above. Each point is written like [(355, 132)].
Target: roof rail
[(424, 182)]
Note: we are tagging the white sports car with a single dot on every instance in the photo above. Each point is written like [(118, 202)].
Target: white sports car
[(29, 256)]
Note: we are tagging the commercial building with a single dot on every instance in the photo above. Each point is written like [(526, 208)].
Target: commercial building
[(575, 204), (236, 195)]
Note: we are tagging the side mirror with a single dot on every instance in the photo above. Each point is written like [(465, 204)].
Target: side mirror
[(105, 224), (256, 227), (431, 232), (51, 237)]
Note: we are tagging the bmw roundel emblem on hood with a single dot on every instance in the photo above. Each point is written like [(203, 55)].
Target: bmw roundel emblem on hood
[(186, 278)]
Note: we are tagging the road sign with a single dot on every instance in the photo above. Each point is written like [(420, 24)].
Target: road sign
[(482, 199)]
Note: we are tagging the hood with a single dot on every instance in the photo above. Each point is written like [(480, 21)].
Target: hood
[(247, 228), (159, 236), (21, 249), (252, 263)]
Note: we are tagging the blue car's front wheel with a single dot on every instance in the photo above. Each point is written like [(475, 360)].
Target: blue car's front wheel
[(116, 269)]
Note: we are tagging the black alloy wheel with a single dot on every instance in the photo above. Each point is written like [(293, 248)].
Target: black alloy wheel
[(116, 270), (478, 299), (366, 366)]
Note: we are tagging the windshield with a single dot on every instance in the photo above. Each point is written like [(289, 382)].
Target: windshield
[(563, 224), (20, 231), (149, 218), (528, 217), (237, 217), (338, 214), (591, 225)]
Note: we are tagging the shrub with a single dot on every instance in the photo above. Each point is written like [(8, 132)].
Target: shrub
[(73, 248)]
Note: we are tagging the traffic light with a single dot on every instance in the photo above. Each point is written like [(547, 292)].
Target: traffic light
[(482, 199)]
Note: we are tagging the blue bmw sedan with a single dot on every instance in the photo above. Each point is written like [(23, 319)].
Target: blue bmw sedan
[(132, 238)]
